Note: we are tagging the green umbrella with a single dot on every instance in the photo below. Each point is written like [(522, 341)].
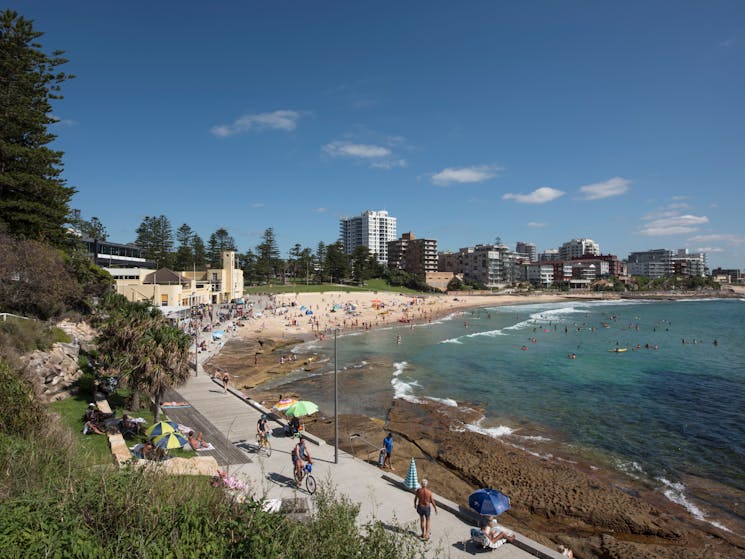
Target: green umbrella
[(301, 408), (170, 440)]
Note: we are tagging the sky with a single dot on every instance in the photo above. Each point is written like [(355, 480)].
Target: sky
[(536, 121)]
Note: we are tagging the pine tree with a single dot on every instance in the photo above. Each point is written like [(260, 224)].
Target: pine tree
[(268, 262), (34, 201), (184, 253), (219, 241), (155, 238)]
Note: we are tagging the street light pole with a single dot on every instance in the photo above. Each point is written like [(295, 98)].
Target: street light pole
[(336, 404)]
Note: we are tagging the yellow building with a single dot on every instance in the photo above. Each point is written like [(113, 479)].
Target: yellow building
[(176, 290)]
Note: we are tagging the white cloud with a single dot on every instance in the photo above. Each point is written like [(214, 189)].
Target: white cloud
[(710, 249), (727, 43), (257, 205), (599, 190), (537, 224), (464, 175), (284, 120), (389, 164), (674, 225), (538, 196), (718, 237), (320, 210), (359, 151)]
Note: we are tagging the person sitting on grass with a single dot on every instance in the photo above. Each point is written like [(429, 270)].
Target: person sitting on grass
[(148, 451), (127, 426), (92, 427), (198, 441)]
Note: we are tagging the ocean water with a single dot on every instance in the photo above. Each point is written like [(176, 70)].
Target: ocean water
[(666, 414)]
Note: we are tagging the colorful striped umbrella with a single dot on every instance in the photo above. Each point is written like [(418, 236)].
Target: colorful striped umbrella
[(412, 480), (285, 403), (161, 428), (170, 440)]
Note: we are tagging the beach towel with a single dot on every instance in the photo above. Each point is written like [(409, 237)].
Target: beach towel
[(175, 405), (208, 447)]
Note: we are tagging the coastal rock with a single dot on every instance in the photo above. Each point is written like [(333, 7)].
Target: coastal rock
[(55, 371)]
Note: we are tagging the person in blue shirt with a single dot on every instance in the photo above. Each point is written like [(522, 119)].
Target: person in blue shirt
[(388, 444)]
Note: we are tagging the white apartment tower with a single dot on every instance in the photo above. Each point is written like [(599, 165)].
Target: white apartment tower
[(372, 229), (577, 248)]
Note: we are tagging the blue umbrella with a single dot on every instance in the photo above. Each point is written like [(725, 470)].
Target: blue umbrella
[(489, 502)]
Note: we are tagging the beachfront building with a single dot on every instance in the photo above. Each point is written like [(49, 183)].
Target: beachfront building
[(549, 255), (371, 229), (689, 264), (527, 251), (540, 274), (727, 275), (180, 290), (412, 255), (491, 265), (577, 248), (115, 255), (655, 263)]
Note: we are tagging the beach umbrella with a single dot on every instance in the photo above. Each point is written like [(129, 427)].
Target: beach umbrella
[(161, 428), (285, 403), (309, 311), (412, 480), (489, 502), (301, 409), (170, 440)]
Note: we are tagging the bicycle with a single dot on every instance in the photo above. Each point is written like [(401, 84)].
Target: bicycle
[(305, 473), (263, 444)]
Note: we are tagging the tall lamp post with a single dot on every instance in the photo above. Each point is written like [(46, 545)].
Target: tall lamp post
[(336, 404)]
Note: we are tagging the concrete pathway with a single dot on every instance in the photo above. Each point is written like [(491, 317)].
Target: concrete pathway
[(378, 493)]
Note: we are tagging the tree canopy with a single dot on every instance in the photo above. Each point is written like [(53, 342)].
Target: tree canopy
[(34, 200)]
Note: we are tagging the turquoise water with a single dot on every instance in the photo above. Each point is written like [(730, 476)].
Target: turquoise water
[(659, 414)]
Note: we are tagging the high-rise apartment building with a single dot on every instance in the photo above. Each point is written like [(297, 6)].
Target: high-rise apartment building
[(527, 250), (689, 263), (416, 256), (491, 265), (577, 248), (651, 263), (372, 229)]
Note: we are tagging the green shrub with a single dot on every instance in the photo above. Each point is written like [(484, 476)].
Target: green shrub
[(87, 384), (59, 335), (20, 411)]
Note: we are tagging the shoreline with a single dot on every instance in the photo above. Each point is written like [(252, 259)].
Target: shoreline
[(582, 516)]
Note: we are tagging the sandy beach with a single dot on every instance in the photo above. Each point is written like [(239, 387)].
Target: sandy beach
[(598, 513)]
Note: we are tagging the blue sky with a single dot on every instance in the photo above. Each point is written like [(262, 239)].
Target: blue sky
[(529, 120)]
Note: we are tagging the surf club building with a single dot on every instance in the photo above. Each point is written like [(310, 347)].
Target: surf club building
[(176, 291)]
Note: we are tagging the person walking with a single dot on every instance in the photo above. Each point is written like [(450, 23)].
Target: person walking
[(388, 444), (424, 503), (225, 381)]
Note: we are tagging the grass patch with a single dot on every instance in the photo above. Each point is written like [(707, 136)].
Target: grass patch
[(71, 411)]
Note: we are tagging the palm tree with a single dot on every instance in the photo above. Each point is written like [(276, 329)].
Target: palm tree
[(165, 361), (121, 342)]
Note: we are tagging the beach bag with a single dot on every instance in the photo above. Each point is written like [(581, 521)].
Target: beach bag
[(381, 457)]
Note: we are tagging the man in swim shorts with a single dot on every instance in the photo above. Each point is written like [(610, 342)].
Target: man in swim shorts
[(423, 503)]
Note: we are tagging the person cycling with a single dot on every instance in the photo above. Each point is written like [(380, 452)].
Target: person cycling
[(262, 428), (300, 455)]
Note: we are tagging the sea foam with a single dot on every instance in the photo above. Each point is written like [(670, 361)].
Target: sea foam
[(675, 492)]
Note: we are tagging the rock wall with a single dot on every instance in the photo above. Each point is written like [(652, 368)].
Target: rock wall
[(56, 370)]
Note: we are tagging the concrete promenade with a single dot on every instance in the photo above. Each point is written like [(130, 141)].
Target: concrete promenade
[(377, 492)]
